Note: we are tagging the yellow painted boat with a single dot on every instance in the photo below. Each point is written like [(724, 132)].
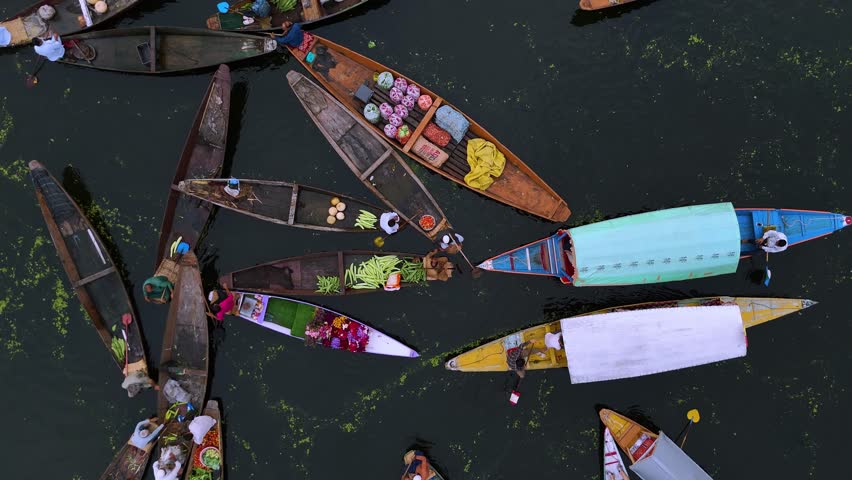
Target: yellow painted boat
[(633, 439), (491, 357)]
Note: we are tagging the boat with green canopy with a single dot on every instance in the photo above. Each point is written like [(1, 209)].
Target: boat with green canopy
[(663, 246)]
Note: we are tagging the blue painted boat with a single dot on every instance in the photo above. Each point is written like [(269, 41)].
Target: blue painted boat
[(663, 246)]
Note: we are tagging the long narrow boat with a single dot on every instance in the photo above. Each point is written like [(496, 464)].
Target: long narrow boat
[(663, 246), (202, 157), (159, 50), (613, 466), (653, 456), (409, 457), (129, 462), (298, 275), (26, 25), (343, 72), (91, 272), (283, 203), (316, 325), (369, 157), (601, 4), (208, 459), (184, 359), (305, 12), (748, 312)]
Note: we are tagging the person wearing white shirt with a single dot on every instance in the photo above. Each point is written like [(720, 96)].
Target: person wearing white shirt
[(51, 48), (773, 241)]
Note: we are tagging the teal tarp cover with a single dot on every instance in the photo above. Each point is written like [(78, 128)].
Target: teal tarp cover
[(663, 246), (668, 462)]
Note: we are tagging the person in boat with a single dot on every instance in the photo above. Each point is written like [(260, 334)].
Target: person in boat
[(773, 241), (221, 303), (292, 35), (437, 268), (233, 187), (389, 222), (158, 289), (419, 468), (451, 245), (145, 432), (554, 341), (518, 357), (50, 48)]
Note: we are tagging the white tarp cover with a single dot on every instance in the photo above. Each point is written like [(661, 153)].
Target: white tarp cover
[(668, 462), (633, 343)]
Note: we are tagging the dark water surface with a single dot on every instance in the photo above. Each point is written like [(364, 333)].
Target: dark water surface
[(655, 105)]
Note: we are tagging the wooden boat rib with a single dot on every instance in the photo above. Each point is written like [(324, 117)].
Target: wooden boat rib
[(90, 270), (27, 25), (343, 71), (306, 12), (298, 275), (284, 203), (491, 357), (196, 463), (202, 157), (601, 4), (634, 439), (369, 157), (129, 462), (667, 245), (292, 317), (184, 357), (159, 50)]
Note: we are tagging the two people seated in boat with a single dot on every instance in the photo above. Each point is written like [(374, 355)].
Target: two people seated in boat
[(419, 468), (451, 244), (773, 241), (221, 303), (145, 433)]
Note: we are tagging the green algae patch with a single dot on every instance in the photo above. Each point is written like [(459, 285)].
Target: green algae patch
[(15, 171), (7, 122), (59, 305)]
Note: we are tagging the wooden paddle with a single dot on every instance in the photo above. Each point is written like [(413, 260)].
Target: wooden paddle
[(32, 79), (475, 272), (694, 416)]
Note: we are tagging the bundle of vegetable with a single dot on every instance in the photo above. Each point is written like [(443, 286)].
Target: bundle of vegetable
[(284, 5), (328, 285), (371, 274), (366, 220), (118, 348), (412, 272)]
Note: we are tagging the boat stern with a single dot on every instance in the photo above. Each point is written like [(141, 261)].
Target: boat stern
[(452, 364), (756, 310)]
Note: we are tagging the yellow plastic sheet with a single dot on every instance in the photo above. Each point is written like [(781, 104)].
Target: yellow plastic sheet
[(486, 163)]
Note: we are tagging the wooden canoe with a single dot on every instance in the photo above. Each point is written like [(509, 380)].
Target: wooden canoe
[(202, 157), (283, 203), (213, 441), (369, 157), (798, 225), (27, 25), (298, 275), (601, 4), (292, 317), (91, 271), (306, 13), (613, 466), (159, 50), (491, 357), (184, 357), (409, 457), (634, 439), (343, 71), (129, 463)]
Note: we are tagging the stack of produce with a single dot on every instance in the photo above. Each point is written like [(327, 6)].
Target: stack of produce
[(335, 212), (337, 332), (366, 220), (373, 273), (207, 458), (405, 96)]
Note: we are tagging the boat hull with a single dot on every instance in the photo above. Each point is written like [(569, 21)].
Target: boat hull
[(491, 357), (798, 225), (202, 157), (315, 13), (212, 411), (291, 317)]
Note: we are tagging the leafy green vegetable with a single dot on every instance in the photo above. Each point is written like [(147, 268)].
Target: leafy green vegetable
[(284, 5), (211, 458), (200, 474)]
